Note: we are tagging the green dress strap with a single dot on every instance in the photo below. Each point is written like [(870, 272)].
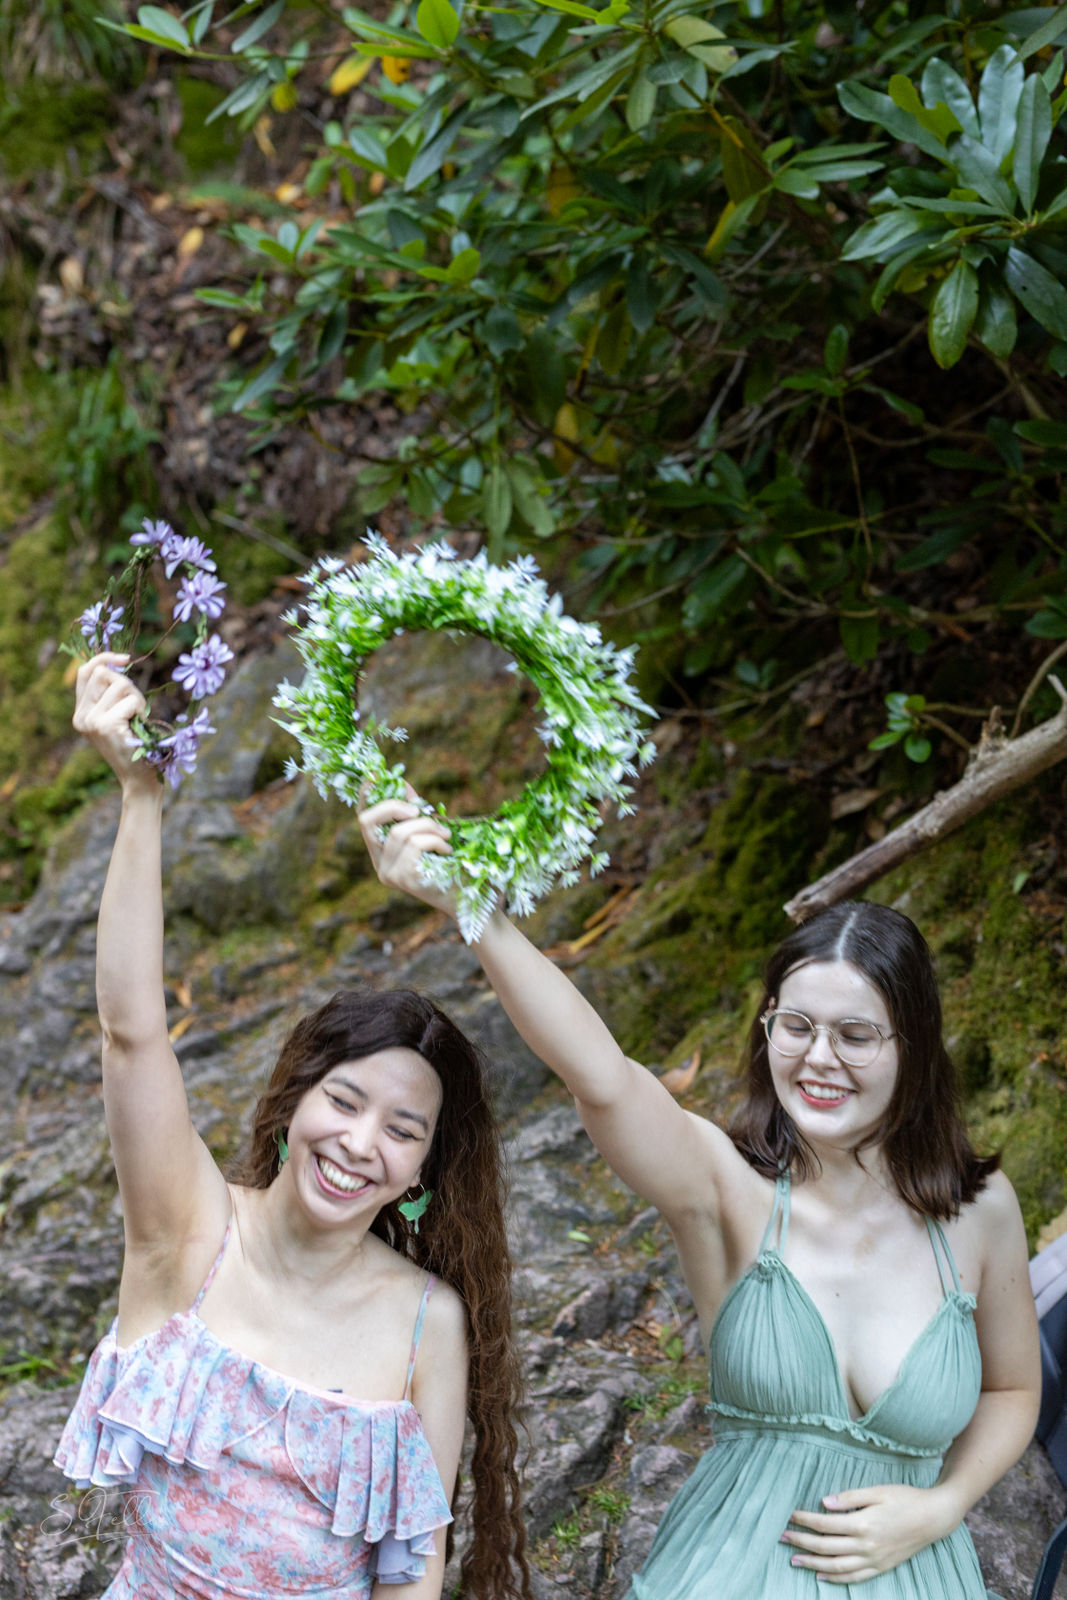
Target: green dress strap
[(778, 1221)]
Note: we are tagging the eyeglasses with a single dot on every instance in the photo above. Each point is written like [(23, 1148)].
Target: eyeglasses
[(855, 1042)]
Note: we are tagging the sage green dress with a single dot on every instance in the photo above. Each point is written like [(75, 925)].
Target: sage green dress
[(784, 1439)]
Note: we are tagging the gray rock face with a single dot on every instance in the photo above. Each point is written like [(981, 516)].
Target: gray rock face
[(616, 1380)]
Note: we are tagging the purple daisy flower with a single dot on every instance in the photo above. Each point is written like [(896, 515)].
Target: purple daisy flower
[(201, 593), (152, 532), (192, 551), (203, 669), (183, 746), (94, 624)]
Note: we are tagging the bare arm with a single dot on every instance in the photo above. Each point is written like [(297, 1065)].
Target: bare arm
[(170, 1186), (672, 1158), (865, 1532)]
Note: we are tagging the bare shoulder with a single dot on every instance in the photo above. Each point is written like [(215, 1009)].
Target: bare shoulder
[(445, 1324), (995, 1212), (991, 1235)]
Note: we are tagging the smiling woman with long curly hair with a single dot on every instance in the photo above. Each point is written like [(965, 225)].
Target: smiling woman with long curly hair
[(297, 1351)]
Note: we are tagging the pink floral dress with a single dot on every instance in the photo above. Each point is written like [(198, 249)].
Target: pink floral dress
[(245, 1483)]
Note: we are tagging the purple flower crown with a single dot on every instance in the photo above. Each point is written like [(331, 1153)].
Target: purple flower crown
[(173, 748)]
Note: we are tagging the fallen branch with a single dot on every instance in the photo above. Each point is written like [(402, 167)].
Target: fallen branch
[(997, 766)]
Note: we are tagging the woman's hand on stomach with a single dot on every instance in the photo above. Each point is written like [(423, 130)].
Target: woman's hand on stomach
[(864, 1532)]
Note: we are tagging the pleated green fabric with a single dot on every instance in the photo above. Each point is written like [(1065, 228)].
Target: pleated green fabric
[(784, 1439)]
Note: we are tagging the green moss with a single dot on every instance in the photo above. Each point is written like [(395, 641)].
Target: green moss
[(43, 124), (44, 583), (708, 918), (250, 566), (204, 147), (1000, 961)]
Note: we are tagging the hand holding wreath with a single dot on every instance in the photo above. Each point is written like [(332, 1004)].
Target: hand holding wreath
[(398, 835)]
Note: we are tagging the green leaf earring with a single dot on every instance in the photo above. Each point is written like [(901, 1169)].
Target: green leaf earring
[(412, 1210), (283, 1148)]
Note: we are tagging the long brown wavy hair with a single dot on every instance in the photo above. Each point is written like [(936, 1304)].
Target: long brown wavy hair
[(933, 1163), (461, 1238)]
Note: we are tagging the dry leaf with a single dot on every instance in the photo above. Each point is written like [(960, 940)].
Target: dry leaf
[(261, 134), (287, 193), (179, 1028), (679, 1079), (184, 993), (70, 274), (235, 337), (190, 242), (851, 801), (350, 74), (8, 787)]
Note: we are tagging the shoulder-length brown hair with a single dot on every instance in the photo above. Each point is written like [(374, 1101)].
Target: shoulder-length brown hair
[(461, 1238), (932, 1161)]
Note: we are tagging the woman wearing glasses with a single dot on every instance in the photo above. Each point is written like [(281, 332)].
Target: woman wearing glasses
[(860, 1274)]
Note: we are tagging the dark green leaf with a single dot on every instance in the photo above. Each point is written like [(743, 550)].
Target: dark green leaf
[(1036, 289), (258, 27), (942, 82), (496, 501), (995, 324), (1031, 139), (907, 408), (999, 89), (261, 384), (835, 351), (501, 330), (640, 103), (743, 169), (859, 635), (934, 549), (980, 171), (790, 181), (333, 333), (870, 106), (433, 153), (881, 236), (166, 28), (640, 296), (1047, 625), (1041, 431), (1049, 32), (952, 314), (917, 748), (710, 592)]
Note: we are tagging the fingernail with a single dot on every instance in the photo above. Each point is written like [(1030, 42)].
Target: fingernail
[(831, 1501)]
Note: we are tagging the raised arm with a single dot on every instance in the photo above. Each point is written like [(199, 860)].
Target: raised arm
[(672, 1158), (171, 1188)]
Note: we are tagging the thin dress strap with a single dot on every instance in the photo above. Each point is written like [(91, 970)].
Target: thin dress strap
[(779, 1217), (942, 1255), (417, 1335), (206, 1285)]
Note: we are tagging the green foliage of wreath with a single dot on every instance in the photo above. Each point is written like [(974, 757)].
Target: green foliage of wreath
[(592, 719)]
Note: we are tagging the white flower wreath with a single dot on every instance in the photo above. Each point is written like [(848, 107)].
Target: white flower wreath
[(591, 728)]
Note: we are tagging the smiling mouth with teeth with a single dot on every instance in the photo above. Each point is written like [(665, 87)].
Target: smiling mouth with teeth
[(822, 1091), (336, 1178)]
